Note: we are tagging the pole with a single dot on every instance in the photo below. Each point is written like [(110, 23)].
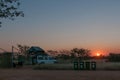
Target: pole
[(12, 55)]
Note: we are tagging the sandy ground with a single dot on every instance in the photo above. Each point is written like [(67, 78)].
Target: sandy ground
[(29, 74)]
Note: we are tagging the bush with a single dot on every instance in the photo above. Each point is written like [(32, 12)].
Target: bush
[(114, 57), (6, 60)]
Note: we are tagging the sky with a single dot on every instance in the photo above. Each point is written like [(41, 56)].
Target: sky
[(65, 24)]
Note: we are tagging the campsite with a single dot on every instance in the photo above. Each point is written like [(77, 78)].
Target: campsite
[(59, 39)]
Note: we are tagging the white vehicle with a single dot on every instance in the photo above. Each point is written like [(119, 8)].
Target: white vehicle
[(45, 60)]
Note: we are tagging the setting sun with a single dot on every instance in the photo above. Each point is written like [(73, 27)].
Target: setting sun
[(97, 54)]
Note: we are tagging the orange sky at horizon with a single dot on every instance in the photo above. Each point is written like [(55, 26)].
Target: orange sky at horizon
[(93, 47), (94, 51)]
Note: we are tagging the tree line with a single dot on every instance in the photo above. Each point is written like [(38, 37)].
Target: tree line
[(73, 54)]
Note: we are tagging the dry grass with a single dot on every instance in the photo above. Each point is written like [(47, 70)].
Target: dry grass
[(108, 66), (101, 65), (27, 73)]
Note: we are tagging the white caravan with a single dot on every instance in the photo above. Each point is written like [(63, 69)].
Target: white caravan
[(45, 60)]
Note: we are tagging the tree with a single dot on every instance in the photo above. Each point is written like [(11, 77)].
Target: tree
[(67, 52), (9, 9), (75, 52), (72, 55), (23, 49), (52, 52), (81, 53), (114, 57)]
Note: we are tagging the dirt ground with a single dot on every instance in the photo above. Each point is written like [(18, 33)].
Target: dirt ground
[(29, 74)]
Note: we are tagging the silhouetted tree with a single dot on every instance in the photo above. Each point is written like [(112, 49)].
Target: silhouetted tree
[(9, 9), (66, 52), (23, 49), (52, 52), (72, 54), (81, 53), (63, 56), (114, 57)]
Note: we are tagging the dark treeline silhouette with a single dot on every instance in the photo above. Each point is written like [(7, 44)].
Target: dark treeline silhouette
[(23, 49), (114, 57), (74, 54), (82, 54)]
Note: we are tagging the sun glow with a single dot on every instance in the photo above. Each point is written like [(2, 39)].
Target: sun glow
[(98, 54)]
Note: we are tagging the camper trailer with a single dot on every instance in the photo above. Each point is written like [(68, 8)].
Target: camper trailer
[(38, 56), (45, 60)]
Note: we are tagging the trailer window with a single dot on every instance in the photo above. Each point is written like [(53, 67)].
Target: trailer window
[(40, 58), (46, 58), (51, 58)]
